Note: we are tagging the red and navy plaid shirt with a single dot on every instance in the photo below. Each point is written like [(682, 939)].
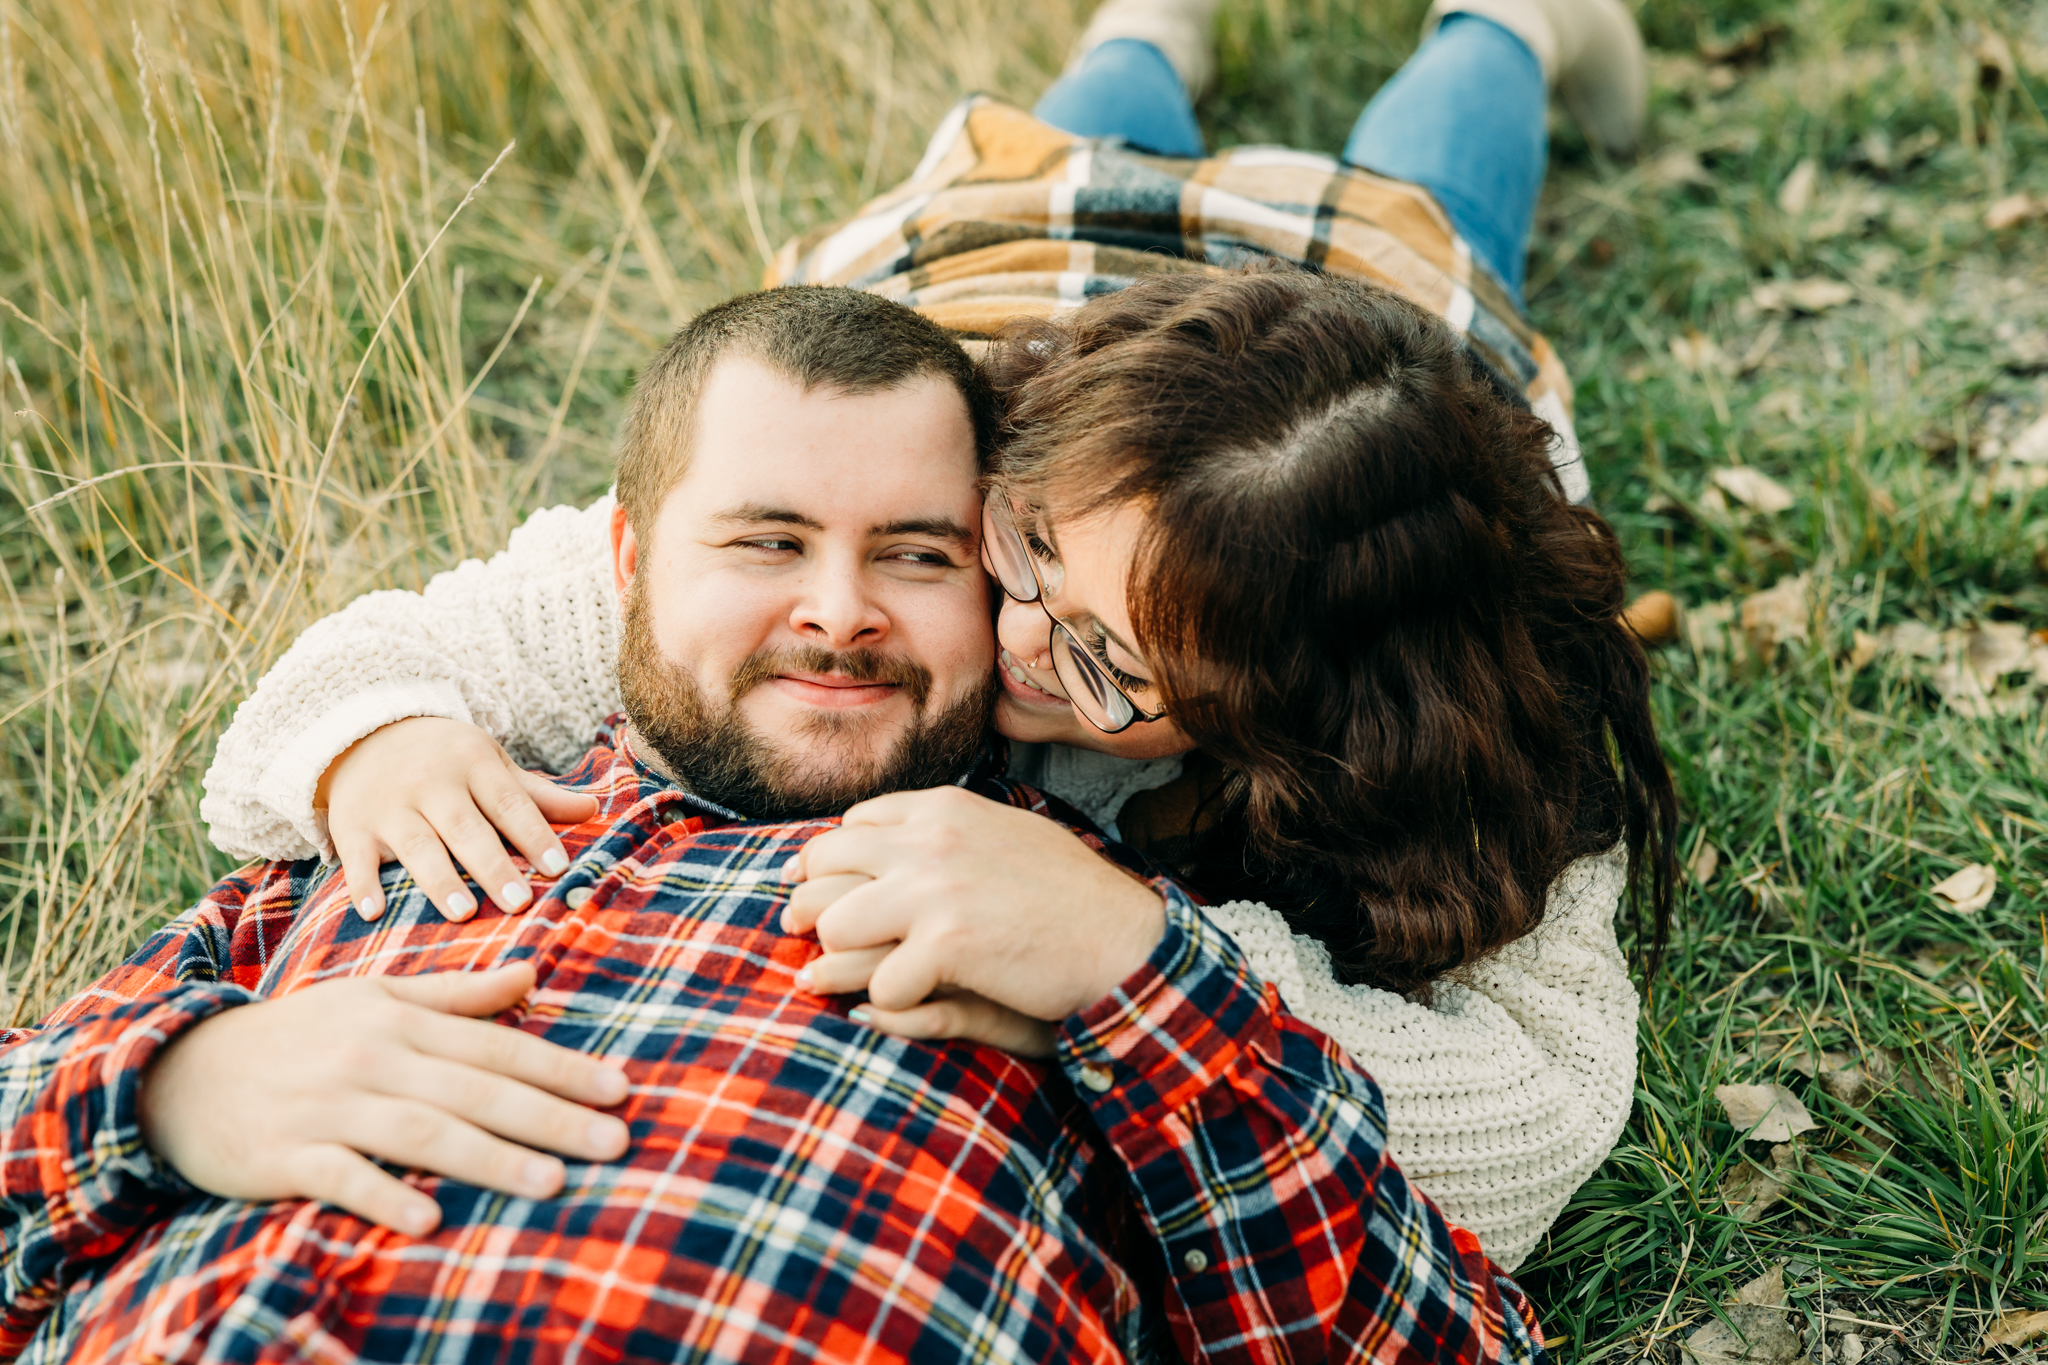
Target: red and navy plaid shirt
[(1198, 1171)]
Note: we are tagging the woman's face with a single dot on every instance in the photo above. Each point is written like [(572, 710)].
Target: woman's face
[(1095, 554)]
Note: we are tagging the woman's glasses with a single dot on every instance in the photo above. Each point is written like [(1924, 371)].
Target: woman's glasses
[(1090, 681)]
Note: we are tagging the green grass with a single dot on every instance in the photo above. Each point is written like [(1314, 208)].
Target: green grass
[(226, 292)]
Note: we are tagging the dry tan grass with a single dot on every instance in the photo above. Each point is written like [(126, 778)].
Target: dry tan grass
[(301, 299)]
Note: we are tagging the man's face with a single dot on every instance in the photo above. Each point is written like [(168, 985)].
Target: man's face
[(808, 623)]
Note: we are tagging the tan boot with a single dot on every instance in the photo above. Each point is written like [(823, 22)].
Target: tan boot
[(1592, 55), (1182, 29)]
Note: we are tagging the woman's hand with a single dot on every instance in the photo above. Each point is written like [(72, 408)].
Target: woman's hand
[(975, 897), (288, 1098), (420, 789)]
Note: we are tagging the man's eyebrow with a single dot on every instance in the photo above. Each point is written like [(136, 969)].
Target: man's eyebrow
[(753, 513), (943, 528)]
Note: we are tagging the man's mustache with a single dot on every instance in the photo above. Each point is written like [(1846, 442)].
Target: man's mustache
[(861, 665)]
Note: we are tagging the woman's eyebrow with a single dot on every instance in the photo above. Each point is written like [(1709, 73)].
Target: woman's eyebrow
[(942, 528)]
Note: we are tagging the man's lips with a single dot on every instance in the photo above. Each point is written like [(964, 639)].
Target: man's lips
[(833, 690)]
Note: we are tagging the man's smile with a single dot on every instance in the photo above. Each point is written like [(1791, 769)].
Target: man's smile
[(836, 691)]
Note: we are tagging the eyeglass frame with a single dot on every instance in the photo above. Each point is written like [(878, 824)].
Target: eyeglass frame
[(994, 524)]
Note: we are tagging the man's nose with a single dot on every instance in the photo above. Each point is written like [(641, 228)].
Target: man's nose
[(840, 612), (1025, 630)]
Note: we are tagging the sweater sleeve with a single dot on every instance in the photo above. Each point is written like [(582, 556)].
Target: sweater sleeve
[(521, 646), (1258, 1151), (1511, 1085)]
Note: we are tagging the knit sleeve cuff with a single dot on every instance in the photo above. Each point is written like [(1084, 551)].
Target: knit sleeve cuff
[(287, 784)]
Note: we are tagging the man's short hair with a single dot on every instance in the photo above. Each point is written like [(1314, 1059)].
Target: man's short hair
[(815, 335)]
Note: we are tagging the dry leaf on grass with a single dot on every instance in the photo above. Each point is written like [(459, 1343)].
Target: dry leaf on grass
[(1801, 296), (2015, 1329), (1706, 628), (1750, 1191), (2031, 445), (1753, 489), (1775, 616), (1765, 1113), (1655, 618), (1704, 864), (1967, 891), (1745, 1334), (1699, 354), (1795, 196), (2013, 210), (1766, 1290)]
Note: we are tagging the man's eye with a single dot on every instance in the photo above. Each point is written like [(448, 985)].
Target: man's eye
[(781, 545), (923, 556)]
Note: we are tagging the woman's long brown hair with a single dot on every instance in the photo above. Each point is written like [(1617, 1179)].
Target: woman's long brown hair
[(1366, 594)]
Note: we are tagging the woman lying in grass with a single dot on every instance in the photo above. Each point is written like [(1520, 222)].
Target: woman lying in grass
[(1296, 595)]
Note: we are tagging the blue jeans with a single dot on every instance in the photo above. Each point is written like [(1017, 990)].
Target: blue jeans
[(1463, 117)]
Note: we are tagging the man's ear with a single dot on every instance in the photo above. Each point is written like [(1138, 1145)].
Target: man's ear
[(625, 553)]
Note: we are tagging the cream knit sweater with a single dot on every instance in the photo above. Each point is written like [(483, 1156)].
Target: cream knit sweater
[(1502, 1094)]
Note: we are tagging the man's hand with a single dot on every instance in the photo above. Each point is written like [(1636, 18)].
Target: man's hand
[(419, 789), (976, 897), (284, 1099)]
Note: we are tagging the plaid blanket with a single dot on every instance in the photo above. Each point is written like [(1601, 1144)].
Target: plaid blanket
[(1007, 216)]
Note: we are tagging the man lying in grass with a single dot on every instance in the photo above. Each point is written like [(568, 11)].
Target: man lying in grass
[(1390, 884), (779, 1180)]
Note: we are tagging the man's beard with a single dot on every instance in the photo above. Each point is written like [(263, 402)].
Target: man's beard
[(714, 753)]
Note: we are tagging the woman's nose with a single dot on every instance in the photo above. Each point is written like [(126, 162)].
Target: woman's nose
[(1024, 630)]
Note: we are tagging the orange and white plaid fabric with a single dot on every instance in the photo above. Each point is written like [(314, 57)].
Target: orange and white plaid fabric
[(1007, 216)]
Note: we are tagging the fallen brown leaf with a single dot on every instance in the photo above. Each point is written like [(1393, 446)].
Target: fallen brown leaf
[(1745, 1334), (2013, 1329), (1654, 618), (1699, 354), (1795, 195), (1704, 864), (1775, 616), (2013, 210), (1802, 296), (2031, 445), (1968, 891), (1753, 489), (1765, 1113), (1766, 1290)]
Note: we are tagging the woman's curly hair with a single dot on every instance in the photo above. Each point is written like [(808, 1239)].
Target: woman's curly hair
[(1366, 595)]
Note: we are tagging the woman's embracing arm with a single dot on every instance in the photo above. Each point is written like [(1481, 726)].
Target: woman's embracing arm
[(521, 646), (1509, 1088)]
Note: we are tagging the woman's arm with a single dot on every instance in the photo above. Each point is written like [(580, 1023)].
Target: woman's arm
[(1507, 1089), (521, 646)]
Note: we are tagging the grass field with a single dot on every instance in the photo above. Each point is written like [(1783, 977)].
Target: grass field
[(302, 299)]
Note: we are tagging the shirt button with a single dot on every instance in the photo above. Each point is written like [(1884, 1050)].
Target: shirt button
[(577, 896), (1097, 1079), (1196, 1261)]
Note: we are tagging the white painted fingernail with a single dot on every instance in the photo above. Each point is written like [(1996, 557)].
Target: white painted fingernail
[(803, 977), (419, 1219), (554, 862), (461, 905), (370, 906), (859, 1014), (515, 894)]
